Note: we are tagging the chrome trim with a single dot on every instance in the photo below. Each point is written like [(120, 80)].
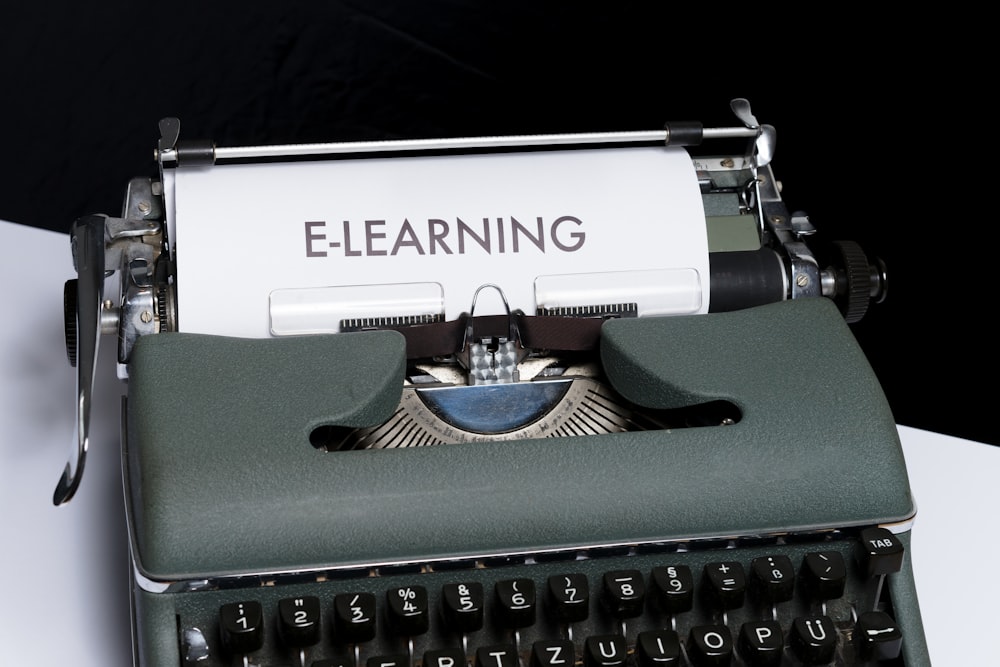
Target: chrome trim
[(467, 143), (481, 561)]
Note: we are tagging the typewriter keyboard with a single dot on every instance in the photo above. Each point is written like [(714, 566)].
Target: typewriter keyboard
[(819, 600)]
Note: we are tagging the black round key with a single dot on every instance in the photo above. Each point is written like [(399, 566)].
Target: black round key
[(658, 648), (772, 578), (761, 643), (462, 606), (499, 655), (879, 552), (814, 639), (299, 621), (824, 575), (448, 657), (553, 653), (241, 625), (391, 660), (354, 617), (408, 610), (569, 597), (710, 646), (516, 606), (605, 651), (877, 636), (725, 585), (672, 588), (624, 593)]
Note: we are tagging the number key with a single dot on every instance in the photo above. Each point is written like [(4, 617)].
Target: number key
[(624, 593), (354, 617), (673, 588), (298, 621), (569, 597), (241, 625), (516, 602), (463, 606), (408, 611)]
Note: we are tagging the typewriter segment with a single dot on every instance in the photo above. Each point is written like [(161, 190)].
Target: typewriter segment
[(789, 600), (626, 425)]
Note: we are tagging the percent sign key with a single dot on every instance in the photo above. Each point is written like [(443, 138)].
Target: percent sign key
[(408, 612)]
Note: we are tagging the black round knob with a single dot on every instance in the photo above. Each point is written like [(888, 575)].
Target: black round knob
[(854, 281)]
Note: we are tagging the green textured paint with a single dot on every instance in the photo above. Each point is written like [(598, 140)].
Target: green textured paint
[(222, 478)]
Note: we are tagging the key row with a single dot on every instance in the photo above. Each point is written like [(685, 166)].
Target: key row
[(813, 640)]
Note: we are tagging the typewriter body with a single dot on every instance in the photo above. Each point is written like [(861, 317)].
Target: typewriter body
[(679, 457)]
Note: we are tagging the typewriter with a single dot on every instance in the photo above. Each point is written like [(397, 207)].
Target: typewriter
[(534, 401)]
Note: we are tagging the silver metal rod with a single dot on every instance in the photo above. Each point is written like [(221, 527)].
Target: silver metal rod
[(465, 143)]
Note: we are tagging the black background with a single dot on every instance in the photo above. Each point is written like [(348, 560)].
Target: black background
[(882, 134)]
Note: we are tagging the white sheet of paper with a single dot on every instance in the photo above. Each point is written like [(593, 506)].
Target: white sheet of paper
[(244, 231)]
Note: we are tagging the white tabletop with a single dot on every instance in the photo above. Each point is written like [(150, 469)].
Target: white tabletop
[(66, 597)]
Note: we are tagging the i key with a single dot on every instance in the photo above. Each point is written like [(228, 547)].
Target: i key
[(658, 648)]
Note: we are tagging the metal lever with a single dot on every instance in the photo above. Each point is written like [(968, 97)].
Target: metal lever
[(766, 137), (88, 256)]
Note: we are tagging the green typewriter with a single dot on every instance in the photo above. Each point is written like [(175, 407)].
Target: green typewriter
[(535, 401)]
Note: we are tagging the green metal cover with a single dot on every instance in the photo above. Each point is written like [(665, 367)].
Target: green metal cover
[(222, 478)]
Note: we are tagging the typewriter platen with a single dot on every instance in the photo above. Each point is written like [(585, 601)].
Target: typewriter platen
[(679, 457)]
